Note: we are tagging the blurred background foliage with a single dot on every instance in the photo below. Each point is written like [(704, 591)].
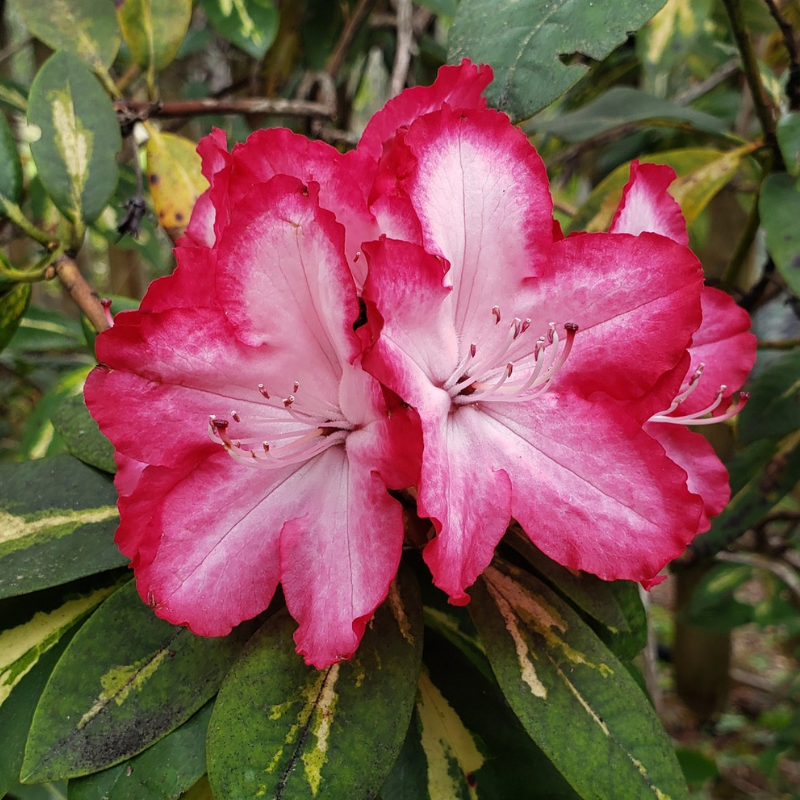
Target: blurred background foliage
[(711, 88)]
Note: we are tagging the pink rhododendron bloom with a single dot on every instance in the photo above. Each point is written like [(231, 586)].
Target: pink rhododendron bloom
[(267, 448), (532, 360)]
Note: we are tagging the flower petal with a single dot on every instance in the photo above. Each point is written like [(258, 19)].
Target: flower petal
[(342, 183), (707, 476), (217, 526), (340, 549), (458, 86), (283, 280), (480, 191), (590, 488), (636, 301), (647, 206)]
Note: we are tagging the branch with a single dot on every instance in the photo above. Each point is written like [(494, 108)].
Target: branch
[(779, 569), (793, 84), (751, 72), (79, 290), (242, 105), (405, 42), (351, 27)]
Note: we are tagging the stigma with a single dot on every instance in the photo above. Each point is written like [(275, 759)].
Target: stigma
[(510, 365)]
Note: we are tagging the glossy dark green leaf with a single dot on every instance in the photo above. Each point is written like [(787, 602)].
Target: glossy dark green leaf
[(10, 166), (773, 409), (575, 699), (527, 42), (13, 305), (761, 475), (779, 204), (162, 772), (85, 28), (626, 644), (620, 106), (77, 427), (57, 523), (76, 152), (251, 25), (126, 680), (464, 741), (284, 730), (16, 714)]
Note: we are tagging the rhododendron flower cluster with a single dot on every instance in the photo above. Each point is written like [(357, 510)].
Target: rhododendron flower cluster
[(409, 316)]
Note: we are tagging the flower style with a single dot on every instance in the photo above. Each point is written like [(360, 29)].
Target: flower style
[(532, 360)]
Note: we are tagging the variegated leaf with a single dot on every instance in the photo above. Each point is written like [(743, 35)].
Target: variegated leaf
[(553, 669), (75, 153), (284, 730), (126, 680)]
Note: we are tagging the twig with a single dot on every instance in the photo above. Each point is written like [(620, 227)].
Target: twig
[(14, 213), (779, 569), (793, 84), (726, 71), (242, 105), (79, 290), (779, 344), (751, 72), (351, 27), (405, 42)]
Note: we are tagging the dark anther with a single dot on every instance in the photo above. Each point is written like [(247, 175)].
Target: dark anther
[(571, 326)]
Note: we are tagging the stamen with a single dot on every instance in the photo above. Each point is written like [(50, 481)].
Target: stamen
[(699, 418), (496, 312), (263, 391), (236, 416)]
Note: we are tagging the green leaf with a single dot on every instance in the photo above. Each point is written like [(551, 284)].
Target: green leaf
[(126, 680), (284, 730), (17, 713), (525, 41), (761, 475), (464, 741), (75, 154), (79, 430), (697, 768), (154, 30), (84, 28), (57, 523), (626, 645), (39, 438), (779, 204), (13, 305), (773, 409), (713, 605), (553, 669), (41, 330), (620, 106), (13, 96), (165, 770), (788, 132), (10, 166), (21, 646), (251, 25)]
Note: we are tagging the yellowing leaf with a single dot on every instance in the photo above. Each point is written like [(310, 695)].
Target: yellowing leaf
[(175, 179)]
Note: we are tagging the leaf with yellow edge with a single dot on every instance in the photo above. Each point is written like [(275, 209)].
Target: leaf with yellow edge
[(154, 30), (23, 645), (281, 729), (175, 179), (551, 668), (701, 173)]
